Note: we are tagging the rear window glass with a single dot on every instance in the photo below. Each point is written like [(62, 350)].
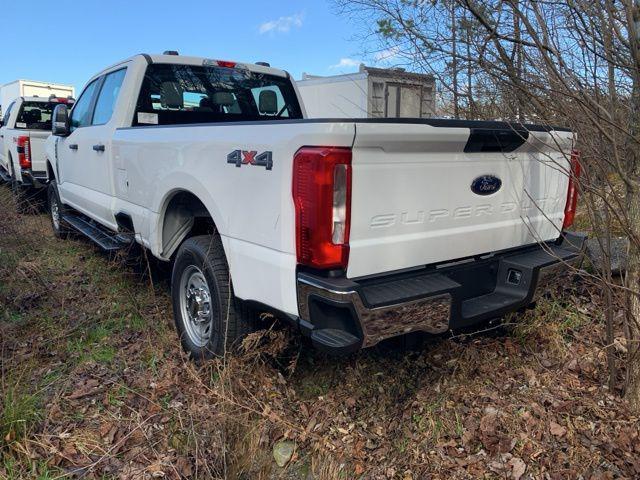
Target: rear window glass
[(184, 94), (35, 115)]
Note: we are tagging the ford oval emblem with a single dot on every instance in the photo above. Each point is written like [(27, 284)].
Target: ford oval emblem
[(486, 185)]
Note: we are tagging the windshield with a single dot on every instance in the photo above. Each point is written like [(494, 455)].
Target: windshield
[(184, 94), (35, 115)]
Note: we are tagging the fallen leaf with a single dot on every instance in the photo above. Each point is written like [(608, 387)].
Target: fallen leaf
[(557, 430), (90, 387), (518, 467), (183, 465)]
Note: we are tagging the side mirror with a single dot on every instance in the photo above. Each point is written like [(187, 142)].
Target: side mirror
[(268, 102), (60, 125)]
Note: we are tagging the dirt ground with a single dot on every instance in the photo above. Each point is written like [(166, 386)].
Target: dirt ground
[(93, 384)]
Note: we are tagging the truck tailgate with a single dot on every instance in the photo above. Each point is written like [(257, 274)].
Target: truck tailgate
[(37, 139), (413, 202)]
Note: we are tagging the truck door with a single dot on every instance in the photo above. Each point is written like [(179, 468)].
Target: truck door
[(86, 166)]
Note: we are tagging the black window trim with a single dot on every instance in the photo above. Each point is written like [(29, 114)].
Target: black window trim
[(95, 100)]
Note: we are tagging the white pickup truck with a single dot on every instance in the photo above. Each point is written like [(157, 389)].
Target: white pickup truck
[(353, 230), (24, 129)]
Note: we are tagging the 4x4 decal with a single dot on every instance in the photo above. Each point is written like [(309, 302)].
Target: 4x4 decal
[(243, 157)]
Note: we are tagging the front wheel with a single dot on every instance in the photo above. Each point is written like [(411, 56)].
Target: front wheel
[(208, 317)]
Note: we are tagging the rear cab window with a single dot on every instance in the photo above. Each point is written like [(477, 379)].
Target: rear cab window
[(186, 94), (35, 115)]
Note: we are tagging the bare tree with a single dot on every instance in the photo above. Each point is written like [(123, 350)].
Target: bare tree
[(569, 63), (454, 61)]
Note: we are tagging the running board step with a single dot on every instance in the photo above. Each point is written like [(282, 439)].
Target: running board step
[(106, 240), (334, 340), (491, 302), (406, 289)]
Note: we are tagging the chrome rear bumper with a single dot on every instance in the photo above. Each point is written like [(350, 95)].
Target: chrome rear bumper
[(343, 315)]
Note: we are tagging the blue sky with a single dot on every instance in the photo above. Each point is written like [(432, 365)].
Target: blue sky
[(79, 38)]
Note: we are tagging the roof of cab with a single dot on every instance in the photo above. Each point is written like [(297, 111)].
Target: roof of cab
[(185, 60), (182, 60)]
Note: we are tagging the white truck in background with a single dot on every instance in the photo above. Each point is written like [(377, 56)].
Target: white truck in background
[(30, 88), (24, 128), (26, 107), (354, 230)]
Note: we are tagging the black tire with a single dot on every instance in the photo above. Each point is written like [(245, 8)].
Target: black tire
[(229, 319), (59, 227)]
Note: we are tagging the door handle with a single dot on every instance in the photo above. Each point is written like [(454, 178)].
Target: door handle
[(98, 148), (73, 146)]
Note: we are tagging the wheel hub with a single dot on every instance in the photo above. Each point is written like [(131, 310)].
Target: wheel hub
[(55, 214), (195, 300), (198, 304)]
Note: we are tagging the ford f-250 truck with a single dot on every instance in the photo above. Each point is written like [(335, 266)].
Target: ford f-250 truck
[(354, 230), (23, 131)]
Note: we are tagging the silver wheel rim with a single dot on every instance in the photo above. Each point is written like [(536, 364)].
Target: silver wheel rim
[(195, 306), (55, 214)]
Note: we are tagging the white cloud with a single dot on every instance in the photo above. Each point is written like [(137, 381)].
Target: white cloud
[(387, 54), (282, 24), (346, 63)]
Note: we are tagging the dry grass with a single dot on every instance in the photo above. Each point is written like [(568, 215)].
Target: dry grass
[(93, 385)]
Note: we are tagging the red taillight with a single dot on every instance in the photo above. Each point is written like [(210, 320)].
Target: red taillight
[(24, 152), (226, 64), (322, 198), (572, 193)]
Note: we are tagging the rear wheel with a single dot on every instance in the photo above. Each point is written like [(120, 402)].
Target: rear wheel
[(208, 317), (56, 210)]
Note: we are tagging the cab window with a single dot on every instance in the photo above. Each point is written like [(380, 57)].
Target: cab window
[(108, 97), (36, 115), (188, 94), (81, 113)]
